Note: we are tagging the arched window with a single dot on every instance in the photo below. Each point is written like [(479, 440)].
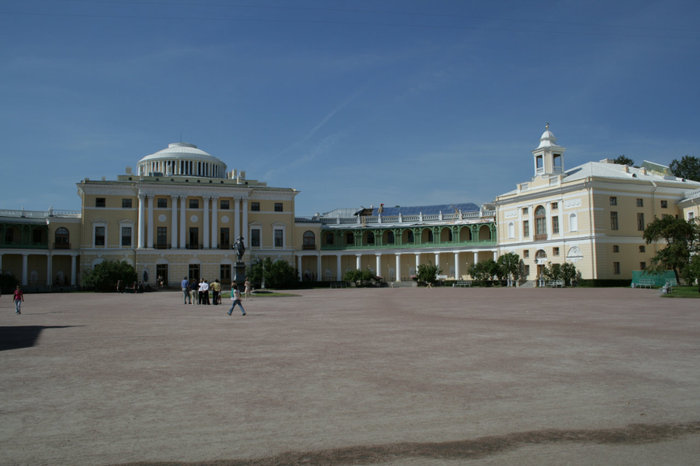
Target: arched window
[(309, 240), (370, 237), (389, 237), (62, 238), (407, 236), (540, 223), (573, 222)]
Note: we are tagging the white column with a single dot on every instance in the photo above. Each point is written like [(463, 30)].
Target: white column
[(237, 220), (339, 271), (319, 270), (495, 255), (437, 259), (183, 222), (378, 265), (299, 271), (149, 231), (358, 261), (457, 277), (142, 225), (244, 227), (417, 261), (214, 222), (49, 269), (73, 272), (173, 222), (398, 267), (476, 257), (25, 258), (205, 221)]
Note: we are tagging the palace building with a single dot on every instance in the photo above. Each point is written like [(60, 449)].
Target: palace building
[(180, 213)]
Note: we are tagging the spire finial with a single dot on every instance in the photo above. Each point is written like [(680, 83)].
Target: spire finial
[(546, 126)]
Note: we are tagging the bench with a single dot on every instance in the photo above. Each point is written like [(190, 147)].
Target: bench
[(462, 284), (556, 284), (645, 283)]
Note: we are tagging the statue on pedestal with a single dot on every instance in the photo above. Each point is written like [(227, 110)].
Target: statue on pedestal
[(239, 247)]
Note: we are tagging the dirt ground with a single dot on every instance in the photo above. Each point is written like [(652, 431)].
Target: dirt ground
[(393, 376)]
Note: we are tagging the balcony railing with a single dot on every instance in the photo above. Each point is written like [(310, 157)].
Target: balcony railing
[(446, 244), (61, 245)]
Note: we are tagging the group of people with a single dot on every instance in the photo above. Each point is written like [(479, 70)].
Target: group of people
[(210, 293)]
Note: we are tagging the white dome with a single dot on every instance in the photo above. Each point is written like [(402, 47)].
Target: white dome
[(547, 139), (181, 158)]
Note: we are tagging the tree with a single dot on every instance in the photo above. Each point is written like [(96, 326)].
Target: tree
[(359, 277), (105, 275), (509, 265), (694, 269), (681, 237), (568, 273), (687, 167), (427, 273), (483, 272), (278, 274), (623, 160)]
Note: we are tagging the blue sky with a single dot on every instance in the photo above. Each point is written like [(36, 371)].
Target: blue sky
[(351, 102)]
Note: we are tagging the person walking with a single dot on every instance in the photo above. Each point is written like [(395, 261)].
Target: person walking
[(236, 299), (18, 298), (184, 284)]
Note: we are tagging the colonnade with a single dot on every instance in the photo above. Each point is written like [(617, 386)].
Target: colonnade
[(379, 257), (49, 255), (178, 232)]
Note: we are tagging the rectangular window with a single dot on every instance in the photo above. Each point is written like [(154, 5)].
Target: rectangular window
[(193, 272), (613, 221), (99, 236), (555, 225), (616, 248), (279, 238), (640, 221), (524, 210), (255, 206), (194, 238), (278, 207), (527, 270), (642, 266), (161, 237), (555, 251), (664, 204), (194, 203), (555, 205), (526, 253), (330, 238), (126, 236), (162, 202), (100, 202), (691, 216), (526, 228), (126, 203), (349, 239), (616, 268), (225, 273), (255, 238), (613, 200), (224, 239), (640, 202), (162, 275), (224, 204), (642, 248)]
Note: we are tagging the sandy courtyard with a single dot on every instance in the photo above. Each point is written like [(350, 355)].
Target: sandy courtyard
[(392, 376)]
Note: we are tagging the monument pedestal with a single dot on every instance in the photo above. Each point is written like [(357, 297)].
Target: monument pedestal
[(239, 273)]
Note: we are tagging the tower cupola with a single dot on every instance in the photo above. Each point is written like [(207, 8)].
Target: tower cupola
[(548, 157)]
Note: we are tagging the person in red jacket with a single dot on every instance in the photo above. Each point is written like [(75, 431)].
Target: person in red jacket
[(19, 298)]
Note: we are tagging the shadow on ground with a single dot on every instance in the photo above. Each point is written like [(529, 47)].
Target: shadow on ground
[(461, 449), (24, 336)]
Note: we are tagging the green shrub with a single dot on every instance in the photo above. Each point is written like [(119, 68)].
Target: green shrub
[(105, 275)]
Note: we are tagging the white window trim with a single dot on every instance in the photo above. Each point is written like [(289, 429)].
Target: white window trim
[(126, 224), (250, 235), (94, 232), (283, 229), (573, 225)]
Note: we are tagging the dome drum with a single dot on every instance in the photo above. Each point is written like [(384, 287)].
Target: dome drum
[(181, 159)]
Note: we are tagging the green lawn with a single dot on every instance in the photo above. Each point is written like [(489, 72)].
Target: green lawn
[(684, 292)]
